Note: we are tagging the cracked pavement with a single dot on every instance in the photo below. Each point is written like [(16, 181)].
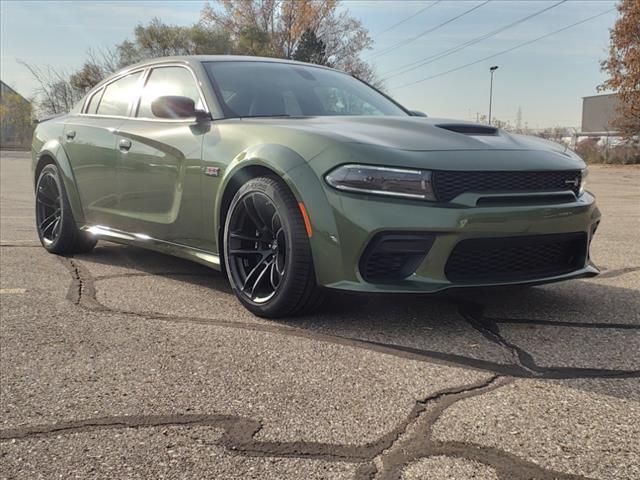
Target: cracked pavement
[(125, 363)]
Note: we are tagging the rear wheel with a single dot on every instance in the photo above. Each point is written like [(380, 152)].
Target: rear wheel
[(56, 227), (267, 252)]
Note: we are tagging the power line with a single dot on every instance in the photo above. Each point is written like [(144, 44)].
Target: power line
[(432, 58), (426, 32), (408, 18), (505, 51)]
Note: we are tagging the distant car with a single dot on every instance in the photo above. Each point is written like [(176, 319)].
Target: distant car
[(295, 178)]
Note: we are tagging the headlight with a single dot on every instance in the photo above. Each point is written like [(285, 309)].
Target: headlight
[(394, 182), (583, 180)]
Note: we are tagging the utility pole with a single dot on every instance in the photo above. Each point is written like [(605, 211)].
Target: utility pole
[(491, 69)]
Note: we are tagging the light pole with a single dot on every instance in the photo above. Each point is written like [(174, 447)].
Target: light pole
[(491, 69)]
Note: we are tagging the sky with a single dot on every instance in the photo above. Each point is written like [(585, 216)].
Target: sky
[(545, 79)]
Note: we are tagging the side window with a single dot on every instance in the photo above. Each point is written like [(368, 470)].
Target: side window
[(165, 81), (92, 105), (118, 95)]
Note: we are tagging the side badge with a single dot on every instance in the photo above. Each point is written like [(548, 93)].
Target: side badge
[(212, 171)]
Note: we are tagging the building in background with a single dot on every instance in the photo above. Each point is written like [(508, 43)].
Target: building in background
[(598, 140), (15, 119), (598, 113)]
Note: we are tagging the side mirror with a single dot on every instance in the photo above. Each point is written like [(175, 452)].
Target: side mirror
[(176, 107), (417, 113)]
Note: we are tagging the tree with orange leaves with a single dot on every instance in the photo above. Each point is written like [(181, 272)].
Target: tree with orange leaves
[(284, 23), (623, 67)]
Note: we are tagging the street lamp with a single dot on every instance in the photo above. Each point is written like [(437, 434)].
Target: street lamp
[(491, 69)]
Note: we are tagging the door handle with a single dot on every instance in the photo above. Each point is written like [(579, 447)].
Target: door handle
[(71, 134), (125, 144)]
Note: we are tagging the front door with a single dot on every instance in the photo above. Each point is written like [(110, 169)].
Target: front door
[(159, 169)]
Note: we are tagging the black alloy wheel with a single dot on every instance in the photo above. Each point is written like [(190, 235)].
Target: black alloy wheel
[(56, 226), (267, 252), (48, 208), (257, 247)]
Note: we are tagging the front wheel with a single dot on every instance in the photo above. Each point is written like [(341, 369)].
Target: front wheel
[(267, 251)]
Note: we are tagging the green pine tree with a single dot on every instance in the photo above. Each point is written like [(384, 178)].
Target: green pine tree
[(311, 49)]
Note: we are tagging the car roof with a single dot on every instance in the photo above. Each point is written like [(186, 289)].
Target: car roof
[(190, 59)]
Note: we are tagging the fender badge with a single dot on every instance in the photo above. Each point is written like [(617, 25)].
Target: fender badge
[(212, 171)]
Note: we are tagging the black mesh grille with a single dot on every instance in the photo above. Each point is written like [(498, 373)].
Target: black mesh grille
[(449, 184), (386, 266), (394, 255), (516, 258)]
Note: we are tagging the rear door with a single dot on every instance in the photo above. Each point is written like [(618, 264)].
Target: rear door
[(160, 163), (89, 140)]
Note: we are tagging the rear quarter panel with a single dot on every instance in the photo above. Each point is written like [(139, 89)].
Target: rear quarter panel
[(46, 147)]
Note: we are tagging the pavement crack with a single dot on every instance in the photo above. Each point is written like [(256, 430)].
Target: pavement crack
[(618, 272), (561, 323), (74, 293), (417, 441), (384, 458), (154, 274), (387, 443), (20, 245), (238, 436), (239, 433), (82, 292), (473, 314)]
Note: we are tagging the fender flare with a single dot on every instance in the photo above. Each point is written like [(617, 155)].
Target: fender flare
[(305, 185), (55, 151)]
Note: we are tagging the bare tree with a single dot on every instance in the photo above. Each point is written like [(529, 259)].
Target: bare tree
[(284, 23), (59, 89), (555, 134), (247, 27), (623, 67), (54, 94)]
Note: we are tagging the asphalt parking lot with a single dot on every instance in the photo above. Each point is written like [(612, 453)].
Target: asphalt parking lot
[(125, 363)]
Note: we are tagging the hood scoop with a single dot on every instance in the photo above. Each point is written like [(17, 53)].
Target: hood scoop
[(469, 129)]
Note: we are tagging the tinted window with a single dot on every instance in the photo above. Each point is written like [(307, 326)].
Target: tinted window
[(265, 88), (118, 95), (92, 106), (168, 81)]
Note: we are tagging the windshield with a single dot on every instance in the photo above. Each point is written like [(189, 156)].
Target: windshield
[(264, 89)]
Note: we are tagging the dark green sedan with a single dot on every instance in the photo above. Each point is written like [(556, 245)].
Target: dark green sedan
[(294, 178)]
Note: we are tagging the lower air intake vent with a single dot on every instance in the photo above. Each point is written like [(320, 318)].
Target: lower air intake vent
[(516, 258), (394, 256)]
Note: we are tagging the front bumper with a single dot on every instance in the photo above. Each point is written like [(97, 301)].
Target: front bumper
[(359, 218)]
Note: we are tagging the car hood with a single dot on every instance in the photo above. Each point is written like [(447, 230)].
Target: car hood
[(418, 134)]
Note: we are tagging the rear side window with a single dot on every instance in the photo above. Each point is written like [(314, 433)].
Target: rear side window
[(92, 105), (164, 81), (118, 95)]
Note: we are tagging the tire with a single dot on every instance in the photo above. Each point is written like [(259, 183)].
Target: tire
[(270, 279), (55, 224)]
